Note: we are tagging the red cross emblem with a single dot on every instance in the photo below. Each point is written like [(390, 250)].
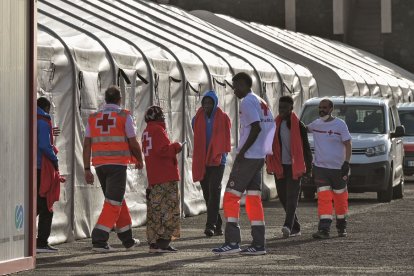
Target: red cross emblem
[(264, 107), (146, 143), (105, 123), (330, 132)]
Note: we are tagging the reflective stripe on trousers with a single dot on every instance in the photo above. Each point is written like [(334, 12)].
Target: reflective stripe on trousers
[(231, 204)]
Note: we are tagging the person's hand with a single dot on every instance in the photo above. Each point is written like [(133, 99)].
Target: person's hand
[(89, 178), (345, 170), (56, 131), (306, 179), (180, 149)]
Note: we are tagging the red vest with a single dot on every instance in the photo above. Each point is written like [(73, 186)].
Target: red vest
[(109, 140), (160, 154)]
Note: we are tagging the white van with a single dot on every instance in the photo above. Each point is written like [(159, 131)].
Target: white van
[(377, 149)]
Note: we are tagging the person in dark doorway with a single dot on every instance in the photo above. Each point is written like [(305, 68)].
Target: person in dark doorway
[(212, 142), (110, 137), (333, 149), (291, 159), (47, 163), (257, 129)]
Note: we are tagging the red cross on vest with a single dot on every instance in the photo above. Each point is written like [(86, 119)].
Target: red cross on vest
[(264, 107), (105, 123)]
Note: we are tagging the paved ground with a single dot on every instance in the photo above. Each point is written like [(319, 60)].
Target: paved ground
[(380, 241)]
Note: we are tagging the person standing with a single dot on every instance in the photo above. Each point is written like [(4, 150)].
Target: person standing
[(212, 142), (257, 129), (333, 149), (46, 153), (291, 159), (110, 137), (163, 196)]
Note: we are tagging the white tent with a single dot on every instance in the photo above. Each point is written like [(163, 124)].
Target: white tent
[(162, 55), (337, 68), (84, 48)]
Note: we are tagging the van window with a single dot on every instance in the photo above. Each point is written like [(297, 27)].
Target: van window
[(407, 120), (359, 118)]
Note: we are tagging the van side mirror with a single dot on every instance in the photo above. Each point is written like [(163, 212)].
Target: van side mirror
[(399, 132)]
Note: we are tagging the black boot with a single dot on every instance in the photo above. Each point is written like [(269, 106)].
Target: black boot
[(341, 227)]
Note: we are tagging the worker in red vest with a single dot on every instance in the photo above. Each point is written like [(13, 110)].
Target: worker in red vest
[(110, 137)]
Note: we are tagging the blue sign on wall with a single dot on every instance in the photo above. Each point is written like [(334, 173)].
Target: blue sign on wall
[(19, 216)]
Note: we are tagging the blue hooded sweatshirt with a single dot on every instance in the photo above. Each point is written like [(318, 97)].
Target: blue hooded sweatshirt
[(43, 140), (210, 121)]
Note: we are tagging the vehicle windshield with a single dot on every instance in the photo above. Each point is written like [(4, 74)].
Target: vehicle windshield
[(359, 118), (407, 120)]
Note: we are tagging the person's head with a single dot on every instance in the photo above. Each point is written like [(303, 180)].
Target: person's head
[(208, 105), (285, 107), (325, 109), (242, 84), (154, 114), (113, 95), (44, 104)]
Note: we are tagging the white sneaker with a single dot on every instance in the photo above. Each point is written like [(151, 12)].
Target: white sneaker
[(286, 232), (104, 249), (134, 246), (297, 234)]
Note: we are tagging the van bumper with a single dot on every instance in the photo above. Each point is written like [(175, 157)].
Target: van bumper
[(408, 163), (372, 177)]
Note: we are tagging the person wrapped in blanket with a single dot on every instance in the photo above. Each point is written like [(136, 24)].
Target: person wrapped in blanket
[(163, 197)]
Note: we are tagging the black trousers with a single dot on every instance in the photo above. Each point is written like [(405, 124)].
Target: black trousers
[(288, 191), (45, 217), (211, 185), (113, 182)]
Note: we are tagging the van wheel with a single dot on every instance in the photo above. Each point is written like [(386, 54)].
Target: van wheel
[(309, 194), (386, 196), (398, 191)]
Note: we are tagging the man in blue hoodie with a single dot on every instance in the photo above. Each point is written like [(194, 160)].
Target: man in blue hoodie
[(44, 147), (212, 142)]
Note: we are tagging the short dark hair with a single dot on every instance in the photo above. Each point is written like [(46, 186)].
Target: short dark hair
[(112, 94), (245, 77), (331, 104), (286, 99), (43, 103)]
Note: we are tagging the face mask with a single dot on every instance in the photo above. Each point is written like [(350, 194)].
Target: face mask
[(324, 118)]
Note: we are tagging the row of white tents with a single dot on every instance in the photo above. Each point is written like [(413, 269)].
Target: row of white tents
[(162, 55)]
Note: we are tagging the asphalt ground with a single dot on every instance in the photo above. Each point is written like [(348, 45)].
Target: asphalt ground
[(380, 242)]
